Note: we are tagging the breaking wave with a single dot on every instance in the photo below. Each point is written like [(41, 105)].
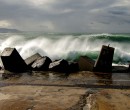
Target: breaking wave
[(67, 46)]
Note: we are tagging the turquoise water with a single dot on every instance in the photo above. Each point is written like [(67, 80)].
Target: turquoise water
[(67, 46)]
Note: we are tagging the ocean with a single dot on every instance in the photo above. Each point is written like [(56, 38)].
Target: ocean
[(67, 46), (51, 87)]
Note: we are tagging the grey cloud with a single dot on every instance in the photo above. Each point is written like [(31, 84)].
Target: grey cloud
[(119, 10), (66, 15)]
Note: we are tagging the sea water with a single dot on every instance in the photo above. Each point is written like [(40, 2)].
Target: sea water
[(67, 46), (70, 47)]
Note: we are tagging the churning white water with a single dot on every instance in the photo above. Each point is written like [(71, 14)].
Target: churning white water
[(66, 46)]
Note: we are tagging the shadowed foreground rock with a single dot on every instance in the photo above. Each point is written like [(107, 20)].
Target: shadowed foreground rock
[(119, 69), (86, 63), (59, 66), (129, 68), (41, 64), (73, 67), (30, 60), (104, 61), (12, 61)]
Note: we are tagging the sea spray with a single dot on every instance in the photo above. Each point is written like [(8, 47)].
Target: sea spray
[(67, 46)]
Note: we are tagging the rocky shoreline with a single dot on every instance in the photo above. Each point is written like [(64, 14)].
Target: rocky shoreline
[(13, 64), (38, 83), (38, 92)]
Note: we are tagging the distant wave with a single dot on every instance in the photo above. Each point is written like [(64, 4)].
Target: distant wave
[(113, 38)]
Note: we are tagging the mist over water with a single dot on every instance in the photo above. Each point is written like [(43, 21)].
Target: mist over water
[(67, 46)]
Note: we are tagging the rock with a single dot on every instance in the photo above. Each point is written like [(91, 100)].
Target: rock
[(73, 67), (86, 63), (104, 61), (30, 60), (41, 64), (12, 61), (119, 69), (59, 66), (128, 70)]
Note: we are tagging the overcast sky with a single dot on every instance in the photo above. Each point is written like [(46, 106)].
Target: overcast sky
[(98, 16)]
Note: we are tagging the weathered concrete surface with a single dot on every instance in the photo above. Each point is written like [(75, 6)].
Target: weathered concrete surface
[(115, 80), (41, 64), (104, 61), (61, 66), (12, 61), (46, 91), (30, 60), (86, 63), (40, 98), (109, 99), (62, 98)]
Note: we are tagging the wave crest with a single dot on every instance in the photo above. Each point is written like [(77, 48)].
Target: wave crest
[(68, 46)]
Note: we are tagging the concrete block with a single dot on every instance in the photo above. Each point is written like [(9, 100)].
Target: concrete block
[(41, 64), (30, 60), (73, 67), (59, 66), (86, 63), (12, 61), (104, 61)]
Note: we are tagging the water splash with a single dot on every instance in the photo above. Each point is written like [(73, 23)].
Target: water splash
[(67, 46)]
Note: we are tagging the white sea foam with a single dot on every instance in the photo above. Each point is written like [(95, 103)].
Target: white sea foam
[(63, 45)]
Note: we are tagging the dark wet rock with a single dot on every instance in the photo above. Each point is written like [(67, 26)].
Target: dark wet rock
[(41, 64), (119, 69), (104, 61), (128, 68), (59, 66), (12, 61), (30, 60), (73, 67), (86, 63)]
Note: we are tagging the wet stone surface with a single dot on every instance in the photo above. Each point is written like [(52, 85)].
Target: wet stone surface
[(88, 79), (55, 91)]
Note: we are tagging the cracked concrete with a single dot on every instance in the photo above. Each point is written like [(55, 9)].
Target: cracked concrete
[(108, 99), (81, 103)]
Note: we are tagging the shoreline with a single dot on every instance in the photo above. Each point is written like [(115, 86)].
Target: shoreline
[(58, 92), (79, 79)]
